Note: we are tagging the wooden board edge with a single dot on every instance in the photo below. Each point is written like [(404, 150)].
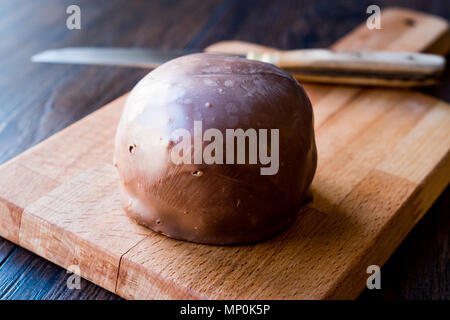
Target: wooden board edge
[(442, 43), (417, 204)]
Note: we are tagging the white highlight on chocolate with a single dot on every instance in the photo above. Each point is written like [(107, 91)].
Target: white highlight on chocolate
[(213, 153)]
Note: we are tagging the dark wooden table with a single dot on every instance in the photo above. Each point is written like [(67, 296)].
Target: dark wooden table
[(38, 100)]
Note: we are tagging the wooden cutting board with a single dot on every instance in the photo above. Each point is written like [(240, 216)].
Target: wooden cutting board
[(383, 160)]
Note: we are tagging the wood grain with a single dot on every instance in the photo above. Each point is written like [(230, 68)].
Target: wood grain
[(244, 32), (106, 233), (414, 278)]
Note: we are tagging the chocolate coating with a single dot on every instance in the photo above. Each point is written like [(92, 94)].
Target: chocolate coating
[(216, 203)]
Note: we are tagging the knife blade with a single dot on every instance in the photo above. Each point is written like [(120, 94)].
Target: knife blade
[(125, 57), (395, 69)]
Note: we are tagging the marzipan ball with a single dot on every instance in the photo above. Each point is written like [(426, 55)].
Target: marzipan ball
[(215, 149)]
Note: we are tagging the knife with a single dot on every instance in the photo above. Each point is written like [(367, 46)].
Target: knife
[(374, 68)]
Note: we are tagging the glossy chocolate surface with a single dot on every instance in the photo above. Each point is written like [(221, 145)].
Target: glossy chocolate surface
[(214, 203)]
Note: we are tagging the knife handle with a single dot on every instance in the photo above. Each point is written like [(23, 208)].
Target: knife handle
[(372, 61), (372, 68)]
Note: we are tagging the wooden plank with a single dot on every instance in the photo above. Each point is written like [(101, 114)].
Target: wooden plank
[(6, 248), (348, 151), (72, 214), (423, 147), (429, 262), (24, 276), (165, 268), (87, 205), (402, 30), (16, 193)]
